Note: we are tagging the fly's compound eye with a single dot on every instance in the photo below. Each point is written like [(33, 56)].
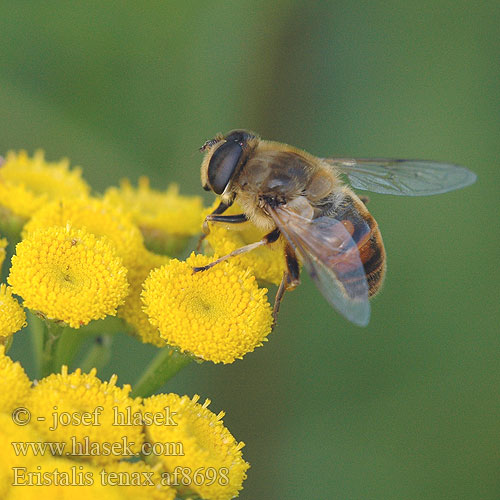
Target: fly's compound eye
[(222, 165)]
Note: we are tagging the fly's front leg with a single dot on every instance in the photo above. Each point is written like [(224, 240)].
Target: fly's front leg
[(216, 216), (290, 280), (221, 208), (266, 240), (228, 219)]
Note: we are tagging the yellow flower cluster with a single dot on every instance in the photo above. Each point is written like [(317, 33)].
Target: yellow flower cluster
[(83, 258), (217, 315), (91, 440), (69, 275), (26, 184), (166, 218), (96, 217)]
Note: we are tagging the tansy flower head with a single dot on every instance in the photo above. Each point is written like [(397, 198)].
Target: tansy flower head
[(12, 317), (218, 315), (209, 449), (266, 262), (165, 218), (27, 183), (80, 393), (3, 246), (14, 383), (132, 311), (68, 275), (97, 217)]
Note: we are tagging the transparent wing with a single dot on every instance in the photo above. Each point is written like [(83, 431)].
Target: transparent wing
[(331, 257), (403, 177)]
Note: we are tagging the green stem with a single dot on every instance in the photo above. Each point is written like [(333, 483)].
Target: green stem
[(162, 368), (98, 355), (110, 324), (37, 330), (7, 342), (52, 334), (67, 347)]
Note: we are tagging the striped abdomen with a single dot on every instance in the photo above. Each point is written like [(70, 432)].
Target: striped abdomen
[(352, 212)]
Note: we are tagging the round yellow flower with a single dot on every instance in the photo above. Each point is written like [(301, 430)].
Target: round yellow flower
[(218, 315), (132, 311), (3, 246), (97, 217), (14, 383), (165, 218), (28, 183), (108, 409), (12, 316), (68, 275), (61, 479), (134, 480), (266, 262), (209, 451)]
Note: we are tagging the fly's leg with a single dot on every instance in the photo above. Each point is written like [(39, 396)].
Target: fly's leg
[(290, 280), (216, 216), (266, 240), (229, 219)]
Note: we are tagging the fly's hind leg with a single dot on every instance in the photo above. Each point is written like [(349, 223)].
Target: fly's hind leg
[(290, 280), (266, 240)]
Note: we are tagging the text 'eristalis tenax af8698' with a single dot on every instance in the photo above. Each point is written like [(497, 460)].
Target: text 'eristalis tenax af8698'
[(303, 200)]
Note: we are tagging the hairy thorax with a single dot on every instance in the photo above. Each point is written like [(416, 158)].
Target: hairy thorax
[(273, 178)]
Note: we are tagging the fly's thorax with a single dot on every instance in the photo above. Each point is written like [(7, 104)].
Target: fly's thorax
[(269, 178), (276, 174), (273, 174), (284, 174)]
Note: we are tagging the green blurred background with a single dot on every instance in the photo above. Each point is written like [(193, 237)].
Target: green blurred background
[(407, 408)]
